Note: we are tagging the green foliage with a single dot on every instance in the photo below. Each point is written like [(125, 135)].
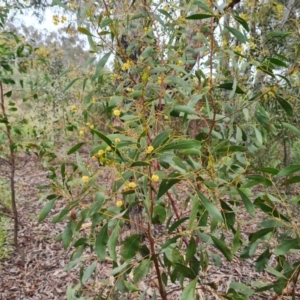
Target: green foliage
[(175, 123)]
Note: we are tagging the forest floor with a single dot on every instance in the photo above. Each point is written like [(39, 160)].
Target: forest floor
[(43, 275)]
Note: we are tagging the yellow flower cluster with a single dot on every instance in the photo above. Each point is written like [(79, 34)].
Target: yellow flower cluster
[(116, 113), (149, 149), (119, 203), (129, 89), (129, 186), (73, 108), (179, 63), (42, 51), (72, 5), (279, 10), (85, 179), (126, 66), (56, 20), (159, 80), (155, 178)]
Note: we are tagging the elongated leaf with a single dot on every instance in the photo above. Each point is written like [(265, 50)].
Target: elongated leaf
[(75, 148), (222, 247), (70, 84), (181, 145), (248, 204), (101, 64), (89, 271), (286, 246), (185, 271), (292, 128), (46, 209), (112, 243), (67, 236), (84, 31), (161, 138), (272, 171), (189, 291), (260, 179), (141, 270), (176, 224), (229, 86), (199, 16), (210, 207), (242, 22), (237, 34), (285, 105), (291, 180), (253, 237), (167, 183), (289, 170), (130, 246), (101, 241), (262, 260)]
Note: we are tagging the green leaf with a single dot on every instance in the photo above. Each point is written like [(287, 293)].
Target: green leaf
[(199, 16), (285, 105), (75, 148), (229, 149), (272, 171), (141, 271), (189, 291), (292, 128), (248, 204), (289, 170), (260, 179), (241, 288), (176, 224), (292, 180), (222, 247), (101, 64), (89, 271), (210, 207), (287, 245), (67, 236), (84, 31), (191, 250), (229, 86), (101, 241), (181, 145), (262, 260), (253, 237), (185, 271), (242, 22), (228, 214), (161, 138), (112, 243), (203, 6), (130, 246), (140, 164), (277, 62), (237, 34), (167, 183), (70, 84), (46, 209)]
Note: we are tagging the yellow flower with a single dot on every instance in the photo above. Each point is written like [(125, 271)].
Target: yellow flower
[(92, 126), (117, 112), (108, 148), (73, 108), (149, 149), (85, 179), (132, 185), (119, 203), (94, 157), (179, 63), (125, 188), (166, 117), (155, 178), (117, 140), (81, 132), (100, 152)]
